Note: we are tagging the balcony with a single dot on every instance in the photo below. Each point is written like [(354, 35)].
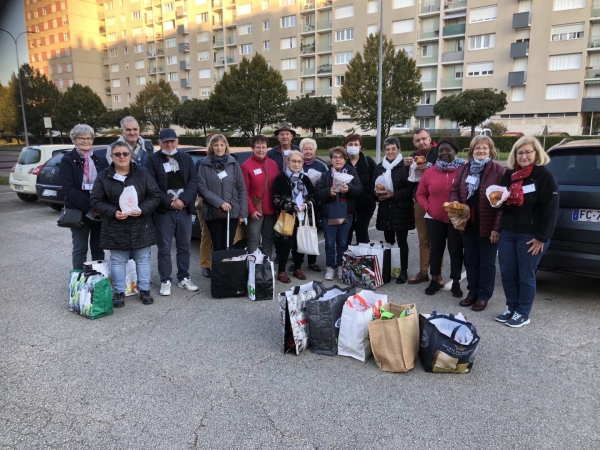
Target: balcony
[(152, 70), (104, 46), (308, 91), (151, 54), (325, 91), (307, 71), (517, 78), (230, 21), (217, 4), (594, 42), (431, 84), (186, 84), (106, 75), (519, 49), (307, 6), (454, 4), (452, 83), (182, 30), (160, 70), (453, 30), (324, 69), (220, 61), (217, 22), (428, 35), (304, 28), (147, 4), (427, 59), (590, 104), (230, 60), (324, 48), (595, 10), (149, 38), (217, 43), (109, 105), (160, 53), (428, 7), (306, 49), (184, 47), (107, 91), (324, 25), (217, 77), (521, 20), (105, 61), (184, 65), (453, 56), (324, 3), (158, 18), (229, 3), (102, 30), (159, 36), (424, 111), (230, 40), (181, 12)]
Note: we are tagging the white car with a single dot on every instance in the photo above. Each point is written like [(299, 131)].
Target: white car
[(31, 160)]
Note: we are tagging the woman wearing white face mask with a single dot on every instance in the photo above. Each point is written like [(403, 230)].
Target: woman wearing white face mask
[(366, 202)]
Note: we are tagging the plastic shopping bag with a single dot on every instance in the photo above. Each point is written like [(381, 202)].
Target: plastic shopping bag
[(314, 176), (382, 185), (90, 294), (128, 201), (340, 179), (261, 277), (131, 285)]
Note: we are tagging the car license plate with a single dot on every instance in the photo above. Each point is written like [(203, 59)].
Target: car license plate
[(49, 193), (18, 187), (586, 215)]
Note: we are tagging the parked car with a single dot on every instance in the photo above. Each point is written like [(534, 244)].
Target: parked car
[(514, 133), (23, 175), (575, 244), (558, 133), (478, 132)]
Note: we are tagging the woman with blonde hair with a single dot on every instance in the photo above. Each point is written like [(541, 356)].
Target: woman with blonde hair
[(528, 219), (480, 238)]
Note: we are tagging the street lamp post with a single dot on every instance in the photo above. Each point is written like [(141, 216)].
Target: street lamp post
[(19, 78), (379, 83)]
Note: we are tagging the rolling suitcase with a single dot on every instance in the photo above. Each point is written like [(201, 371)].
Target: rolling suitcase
[(229, 278)]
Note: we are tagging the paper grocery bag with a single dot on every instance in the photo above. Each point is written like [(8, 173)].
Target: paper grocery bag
[(395, 342)]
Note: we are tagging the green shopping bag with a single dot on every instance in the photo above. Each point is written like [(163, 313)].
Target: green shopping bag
[(90, 294)]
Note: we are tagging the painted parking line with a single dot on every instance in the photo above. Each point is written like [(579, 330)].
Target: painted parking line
[(448, 285)]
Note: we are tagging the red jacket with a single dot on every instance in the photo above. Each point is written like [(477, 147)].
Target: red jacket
[(255, 182), (434, 190), (489, 218)]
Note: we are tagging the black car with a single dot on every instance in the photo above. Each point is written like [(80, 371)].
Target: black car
[(575, 244)]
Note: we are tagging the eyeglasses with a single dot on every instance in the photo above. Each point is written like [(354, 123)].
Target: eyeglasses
[(296, 161), (85, 139), (122, 155), (527, 153), (337, 157), (481, 149)]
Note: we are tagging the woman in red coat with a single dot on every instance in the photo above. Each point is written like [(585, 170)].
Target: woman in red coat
[(480, 238), (434, 190)]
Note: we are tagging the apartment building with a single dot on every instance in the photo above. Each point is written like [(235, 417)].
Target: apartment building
[(545, 54)]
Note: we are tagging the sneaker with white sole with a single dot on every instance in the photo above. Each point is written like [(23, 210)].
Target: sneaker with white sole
[(186, 283), (329, 274), (165, 288), (518, 320), (339, 273), (505, 316)]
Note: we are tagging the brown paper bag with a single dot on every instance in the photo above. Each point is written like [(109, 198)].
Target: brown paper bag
[(395, 342)]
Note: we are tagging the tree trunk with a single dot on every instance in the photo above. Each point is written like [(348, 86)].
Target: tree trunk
[(472, 131)]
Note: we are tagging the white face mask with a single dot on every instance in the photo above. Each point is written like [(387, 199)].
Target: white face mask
[(286, 152), (353, 151)]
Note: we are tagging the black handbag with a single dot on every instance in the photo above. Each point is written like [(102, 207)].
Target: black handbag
[(71, 218)]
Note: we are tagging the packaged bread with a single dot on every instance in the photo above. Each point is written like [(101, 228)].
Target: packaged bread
[(380, 188), (495, 197), (420, 160), (453, 206)]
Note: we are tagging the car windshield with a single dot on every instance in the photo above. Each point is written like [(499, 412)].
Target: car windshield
[(576, 168), (30, 156)]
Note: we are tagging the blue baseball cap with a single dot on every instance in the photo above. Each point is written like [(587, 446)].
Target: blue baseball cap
[(167, 134)]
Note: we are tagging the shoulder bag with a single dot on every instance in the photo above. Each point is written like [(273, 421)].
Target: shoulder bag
[(71, 218), (306, 236)]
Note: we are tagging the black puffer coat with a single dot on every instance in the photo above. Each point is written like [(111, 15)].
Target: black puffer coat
[(397, 213), (324, 191), (134, 232)]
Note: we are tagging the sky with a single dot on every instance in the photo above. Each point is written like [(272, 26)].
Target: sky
[(12, 19)]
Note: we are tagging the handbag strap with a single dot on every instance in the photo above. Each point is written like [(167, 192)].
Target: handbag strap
[(266, 179), (306, 218)]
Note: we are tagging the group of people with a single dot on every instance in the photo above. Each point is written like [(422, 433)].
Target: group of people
[(291, 179)]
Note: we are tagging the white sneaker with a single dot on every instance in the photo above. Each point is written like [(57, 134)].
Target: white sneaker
[(329, 274), (165, 288), (339, 273), (186, 283)]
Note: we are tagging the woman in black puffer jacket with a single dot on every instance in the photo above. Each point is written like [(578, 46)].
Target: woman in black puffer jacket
[(396, 216), (126, 234)]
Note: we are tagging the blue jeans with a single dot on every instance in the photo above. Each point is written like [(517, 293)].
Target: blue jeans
[(173, 224), (336, 242), (517, 268), (80, 236), (480, 262), (118, 264)]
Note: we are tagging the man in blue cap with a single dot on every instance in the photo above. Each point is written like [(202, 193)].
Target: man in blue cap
[(177, 179)]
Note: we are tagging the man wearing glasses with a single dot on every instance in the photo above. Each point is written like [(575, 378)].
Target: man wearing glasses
[(131, 136), (177, 179), (428, 149)]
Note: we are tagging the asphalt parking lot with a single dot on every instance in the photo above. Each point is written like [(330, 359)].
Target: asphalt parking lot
[(194, 372)]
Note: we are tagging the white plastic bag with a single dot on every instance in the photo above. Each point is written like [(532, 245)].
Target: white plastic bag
[(131, 285), (128, 201), (413, 174), (382, 186), (494, 188), (340, 179), (314, 176)]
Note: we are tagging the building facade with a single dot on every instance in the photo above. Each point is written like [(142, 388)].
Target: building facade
[(545, 54)]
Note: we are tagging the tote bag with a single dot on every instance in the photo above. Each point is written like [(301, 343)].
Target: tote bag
[(307, 238)]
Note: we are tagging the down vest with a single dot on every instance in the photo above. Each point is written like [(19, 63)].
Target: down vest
[(134, 232), (489, 218), (397, 213)]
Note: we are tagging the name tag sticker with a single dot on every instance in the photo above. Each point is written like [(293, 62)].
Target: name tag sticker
[(257, 171), (167, 167), (119, 177), (471, 179), (87, 187), (222, 175), (528, 188)]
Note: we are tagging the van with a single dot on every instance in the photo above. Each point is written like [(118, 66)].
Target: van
[(478, 132)]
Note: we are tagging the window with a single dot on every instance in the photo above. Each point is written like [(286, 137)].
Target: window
[(117, 98), (372, 6), (565, 62), (135, 15), (204, 73), (113, 52), (246, 49), (265, 4), (140, 81), (562, 5), (70, 82), (55, 22), (140, 64), (172, 76), (65, 20), (61, 83), (289, 64), (483, 14), (287, 2), (426, 75), (292, 85), (244, 9), (44, 11), (425, 99), (424, 122), (204, 55), (107, 5), (524, 6), (344, 35), (245, 29), (69, 68), (116, 83), (171, 43), (125, 51), (267, 46), (53, 7), (169, 25), (122, 18), (124, 34), (37, 28), (111, 37), (372, 29), (266, 25), (518, 94), (482, 41), (403, 26), (63, 5), (288, 21), (343, 58), (171, 60), (567, 32), (168, 7), (204, 92), (408, 48), (343, 12), (138, 48), (126, 66), (113, 68), (339, 80), (520, 64), (562, 91), (403, 3), (480, 69), (287, 43), (202, 18)]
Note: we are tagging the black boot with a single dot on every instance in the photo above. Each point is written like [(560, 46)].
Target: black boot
[(403, 277), (119, 300), (433, 287), (146, 298), (456, 291)]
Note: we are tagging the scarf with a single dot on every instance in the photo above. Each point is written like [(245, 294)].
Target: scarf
[(218, 162), (89, 168), (516, 188), (310, 162), (135, 151), (297, 184), (388, 166), (475, 169), (444, 166), (171, 157)]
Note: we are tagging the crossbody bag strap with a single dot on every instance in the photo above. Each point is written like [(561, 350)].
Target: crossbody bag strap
[(266, 180)]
